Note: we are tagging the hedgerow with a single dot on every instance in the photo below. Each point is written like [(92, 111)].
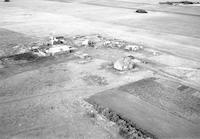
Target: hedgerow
[(127, 128)]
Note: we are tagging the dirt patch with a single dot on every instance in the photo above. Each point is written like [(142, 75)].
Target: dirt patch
[(95, 80)]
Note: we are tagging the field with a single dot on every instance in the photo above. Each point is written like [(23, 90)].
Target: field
[(45, 97), (140, 102)]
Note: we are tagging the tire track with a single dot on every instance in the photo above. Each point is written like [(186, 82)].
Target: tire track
[(35, 96)]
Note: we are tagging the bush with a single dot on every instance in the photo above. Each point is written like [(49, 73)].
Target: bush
[(115, 118), (91, 114), (121, 122), (105, 112), (100, 109), (123, 131), (141, 11)]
